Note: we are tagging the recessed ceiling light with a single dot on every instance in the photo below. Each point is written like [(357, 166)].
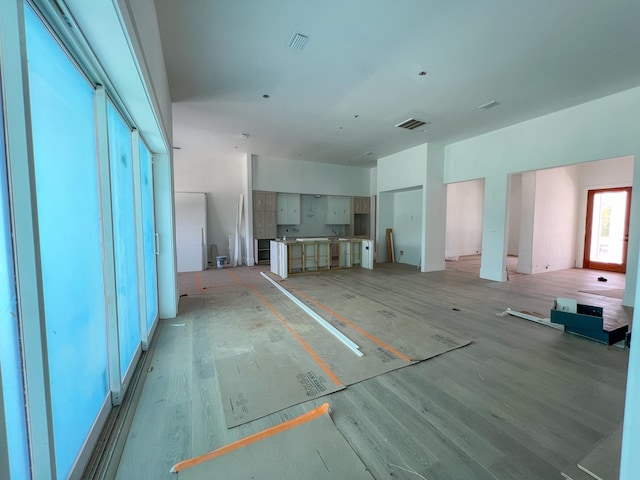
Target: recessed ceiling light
[(488, 105), (369, 153), (244, 136), (422, 73), (356, 116), (265, 95)]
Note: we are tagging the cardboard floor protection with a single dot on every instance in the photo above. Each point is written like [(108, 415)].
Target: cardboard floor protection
[(262, 367), (416, 338), (312, 451), (271, 355)]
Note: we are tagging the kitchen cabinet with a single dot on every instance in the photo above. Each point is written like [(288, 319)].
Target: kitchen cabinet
[(288, 209), (338, 211), (264, 215), (361, 205), (316, 254)]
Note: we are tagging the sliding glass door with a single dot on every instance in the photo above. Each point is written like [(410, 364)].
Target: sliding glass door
[(149, 240), (11, 381), (70, 232), (124, 237)]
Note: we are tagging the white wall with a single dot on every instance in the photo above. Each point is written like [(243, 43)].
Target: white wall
[(197, 170), (407, 226), (464, 218), (527, 210), (515, 204), (403, 170), (555, 218), (434, 214), (597, 130), (406, 170), (386, 208), (273, 174), (421, 167)]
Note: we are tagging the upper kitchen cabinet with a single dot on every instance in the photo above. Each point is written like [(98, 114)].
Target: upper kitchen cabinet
[(288, 209), (338, 211), (361, 205)]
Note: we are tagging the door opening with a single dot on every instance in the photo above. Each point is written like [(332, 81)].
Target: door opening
[(607, 229)]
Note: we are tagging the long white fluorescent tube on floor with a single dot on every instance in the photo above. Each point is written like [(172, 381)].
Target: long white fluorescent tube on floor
[(333, 330)]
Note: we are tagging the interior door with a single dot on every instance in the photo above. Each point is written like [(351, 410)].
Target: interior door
[(607, 229)]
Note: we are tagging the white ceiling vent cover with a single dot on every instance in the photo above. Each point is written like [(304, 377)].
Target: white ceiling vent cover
[(488, 105), (411, 124), (298, 41)]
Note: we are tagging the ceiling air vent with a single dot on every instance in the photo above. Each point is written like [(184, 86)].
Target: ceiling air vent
[(488, 105), (411, 124), (298, 41)]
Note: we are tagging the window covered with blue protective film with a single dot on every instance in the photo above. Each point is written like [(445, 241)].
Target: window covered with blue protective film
[(124, 236), (10, 354), (146, 190), (66, 174)]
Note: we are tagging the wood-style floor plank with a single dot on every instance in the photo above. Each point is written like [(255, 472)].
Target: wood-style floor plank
[(522, 401)]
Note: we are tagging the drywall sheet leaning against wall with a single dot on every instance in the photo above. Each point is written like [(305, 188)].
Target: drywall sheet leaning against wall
[(191, 231)]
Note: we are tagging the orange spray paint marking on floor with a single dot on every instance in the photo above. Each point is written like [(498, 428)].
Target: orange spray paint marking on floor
[(354, 326), (325, 368), (256, 437)]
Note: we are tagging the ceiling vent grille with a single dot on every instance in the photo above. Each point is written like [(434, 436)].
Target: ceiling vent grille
[(488, 105), (411, 124), (298, 41)]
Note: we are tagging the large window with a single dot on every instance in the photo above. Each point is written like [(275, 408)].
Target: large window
[(148, 222), (124, 237), (64, 144), (10, 354)]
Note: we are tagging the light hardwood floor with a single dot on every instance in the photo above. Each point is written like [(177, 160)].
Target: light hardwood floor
[(522, 401)]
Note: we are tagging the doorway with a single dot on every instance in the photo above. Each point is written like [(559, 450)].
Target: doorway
[(607, 229)]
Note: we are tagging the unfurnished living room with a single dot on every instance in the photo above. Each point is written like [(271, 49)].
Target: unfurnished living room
[(319, 240)]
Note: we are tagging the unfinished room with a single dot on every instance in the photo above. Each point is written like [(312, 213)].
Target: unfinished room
[(319, 240)]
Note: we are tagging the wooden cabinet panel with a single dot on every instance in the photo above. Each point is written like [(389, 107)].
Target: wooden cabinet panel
[(270, 225), (361, 205), (259, 225), (270, 202), (264, 215), (258, 201)]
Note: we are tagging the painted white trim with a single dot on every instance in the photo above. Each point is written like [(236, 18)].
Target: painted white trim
[(29, 286), (108, 248), (140, 260), (86, 450)]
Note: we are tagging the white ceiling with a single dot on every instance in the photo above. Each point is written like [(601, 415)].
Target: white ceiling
[(358, 75)]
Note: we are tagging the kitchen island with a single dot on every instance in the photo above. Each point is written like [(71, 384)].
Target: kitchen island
[(298, 255)]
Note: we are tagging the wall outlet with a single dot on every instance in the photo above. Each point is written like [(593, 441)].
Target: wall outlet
[(401, 252)]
